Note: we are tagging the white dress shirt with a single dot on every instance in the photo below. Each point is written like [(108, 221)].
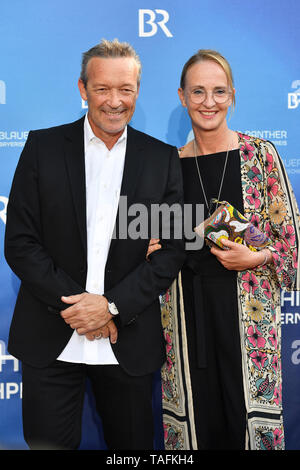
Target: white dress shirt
[(104, 172)]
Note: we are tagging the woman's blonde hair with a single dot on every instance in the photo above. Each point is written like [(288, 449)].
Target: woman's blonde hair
[(208, 54)]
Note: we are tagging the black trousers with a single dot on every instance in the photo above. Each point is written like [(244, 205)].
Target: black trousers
[(216, 369), (53, 403)]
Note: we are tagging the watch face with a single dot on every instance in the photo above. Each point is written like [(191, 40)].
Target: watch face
[(113, 309)]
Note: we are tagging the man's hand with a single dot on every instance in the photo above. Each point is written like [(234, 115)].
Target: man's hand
[(88, 312), (108, 331)]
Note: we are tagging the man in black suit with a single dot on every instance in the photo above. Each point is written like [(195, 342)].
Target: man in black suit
[(88, 304)]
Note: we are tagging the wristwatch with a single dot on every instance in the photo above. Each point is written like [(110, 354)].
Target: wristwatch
[(112, 308)]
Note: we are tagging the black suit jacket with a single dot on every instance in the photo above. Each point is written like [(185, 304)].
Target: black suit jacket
[(46, 246)]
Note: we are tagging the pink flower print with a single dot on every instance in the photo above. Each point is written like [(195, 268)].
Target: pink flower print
[(169, 343), (251, 283), (288, 234), (254, 174), (268, 229), (276, 259), (266, 288), (272, 187), (165, 431), (244, 136), (274, 364), (247, 151), (255, 337), (253, 197), (259, 359), (169, 349), (269, 164), (278, 436), (169, 363), (273, 337), (277, 396), (255, 220), (295, 258), (281, 248)]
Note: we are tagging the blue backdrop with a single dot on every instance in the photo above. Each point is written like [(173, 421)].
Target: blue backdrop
[(40, 49)]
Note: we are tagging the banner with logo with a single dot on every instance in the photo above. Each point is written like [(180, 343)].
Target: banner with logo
[(40, 48)]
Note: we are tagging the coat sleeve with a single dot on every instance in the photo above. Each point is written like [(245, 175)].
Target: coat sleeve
[(24, 249), (283, 226), (143, 285)]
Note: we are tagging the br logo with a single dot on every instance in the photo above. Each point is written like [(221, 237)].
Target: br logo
[(3, 206), (294, 96), (153, 18), (2, 92)]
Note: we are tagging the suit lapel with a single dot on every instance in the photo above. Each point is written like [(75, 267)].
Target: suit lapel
[(74, 156), (131, 175), (133, 163)]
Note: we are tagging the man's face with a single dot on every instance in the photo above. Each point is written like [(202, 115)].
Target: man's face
[(111, 92)]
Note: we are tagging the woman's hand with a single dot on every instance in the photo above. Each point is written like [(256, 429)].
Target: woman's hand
[(153, 246), (239, 257)]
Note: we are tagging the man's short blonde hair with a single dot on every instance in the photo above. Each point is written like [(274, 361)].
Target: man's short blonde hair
[(109, 49)]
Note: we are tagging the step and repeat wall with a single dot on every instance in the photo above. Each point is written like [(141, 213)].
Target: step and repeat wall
[(41, 43)]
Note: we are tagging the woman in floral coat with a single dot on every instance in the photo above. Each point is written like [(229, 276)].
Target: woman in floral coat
[(222, 380)]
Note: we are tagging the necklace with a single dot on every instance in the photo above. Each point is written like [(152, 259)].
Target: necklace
[(209, 206)]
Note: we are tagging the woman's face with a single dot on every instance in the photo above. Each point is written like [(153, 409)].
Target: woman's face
[(206, 81)]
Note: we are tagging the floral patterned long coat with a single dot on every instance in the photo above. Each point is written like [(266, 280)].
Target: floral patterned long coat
[(269, 203)]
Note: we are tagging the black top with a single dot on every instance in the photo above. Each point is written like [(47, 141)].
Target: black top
[(211, 170), (211, 314)]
